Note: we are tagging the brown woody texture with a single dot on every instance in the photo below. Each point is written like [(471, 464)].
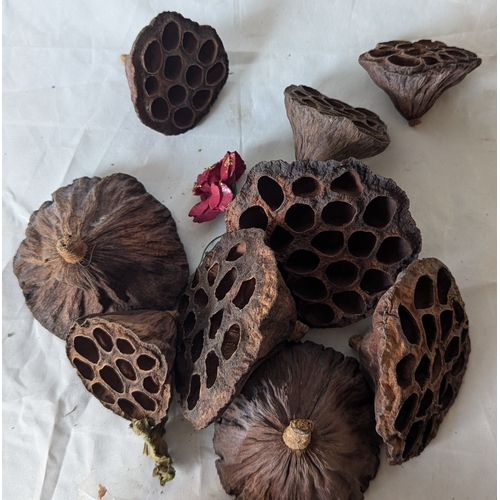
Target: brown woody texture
[(328, 129), (235, 310), (415, 74), (302, 381), (126, 361), (341, 234), (415, 356), (128, 254), (175, 70)]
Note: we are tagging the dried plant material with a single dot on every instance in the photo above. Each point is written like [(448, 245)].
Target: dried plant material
[(101, 245), (416, 355), (292, 435), (328, 129), (235, 310), (341, 234), (175, 70), (415, 74), (126, 361)]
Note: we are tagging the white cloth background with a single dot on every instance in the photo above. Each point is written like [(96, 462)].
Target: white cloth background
[(67, 113)]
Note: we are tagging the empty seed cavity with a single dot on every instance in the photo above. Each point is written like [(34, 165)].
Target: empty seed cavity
[(201, 99), (338, 213), (443, 285), (189, 322), (342, 273), (393, 249), (226, 283), (215, 322), (216, 73), (270, 191), (422, 373), (151, 85), (423, 297), (212, 274), (459, 313), (348, 183), (446, 321), (430, 329), (150, 385), (406, 413), (86, 348), (153, 57), (124, 346), (194, 76), (207, 52), (320, 315), (403, 61), (84, 369), (159, 109), (126, 369), (253, 217), (189, 42), (379, 211), (302, 261), (361, 243), (413, 437), (194, 393), (231, 341), (280, 239), (425, 403), (299, 217), (146, 362), (171, 36), (201, 298), (328, 242), (452, 350), (408, 325), (237, 251), (350, 302), (144, 400), (211, 368), (375, 281), (102, 393), (305, 186), (309, 288), (103, 339), (130, 409), (111, 377), (404, 371), (184, 117), (176, 95), (245, 293), (197, 346), (173, 67)]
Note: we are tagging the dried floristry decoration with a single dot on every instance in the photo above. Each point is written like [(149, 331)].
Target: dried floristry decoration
[(415, 356), (328, 129), (292, 435), (126, 361), (235, 310), (415, 74), (215, 187), (175, 70), (341, 234), (100, 245)]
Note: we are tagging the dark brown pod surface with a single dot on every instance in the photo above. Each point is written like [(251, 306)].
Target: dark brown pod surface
[(328, 129), (175, 70), (100, 245), (416, 356), (341, 234), (235, 310), (126, 361), (415, 74), (292, 435)]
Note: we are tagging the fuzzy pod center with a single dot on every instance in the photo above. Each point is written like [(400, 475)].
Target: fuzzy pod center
[(71, 248), (297, 435)]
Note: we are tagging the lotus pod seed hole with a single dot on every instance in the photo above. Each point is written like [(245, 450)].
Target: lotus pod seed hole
[(458, 365), (451, 351), (375, 281), (297, 435), (428, 431), (338, 213), (404, 371), (159, 109), (189, 42), (253, 217), (215, 322), (207, 52), (151, 385), (422, 373), (84, 369), (151, 85), (271, 192), (299, 217), (237, 251), (379, 212), (111, 377), (173, 67), (231, 341), (302, 261), (342, 273), (443, 285), (153, 57), (103, 339), (437, 366), (393, 249), (212, 274), (350, 302), (102, 393), (126, 369), (124, 346), (430, 329), (189, 322), (130, 409), (309, 288), (194, 393), (280, 239), (459, 313), (408, 325), (184, 117), (216, 73), (197, 346), (211, 368), (183, 304), (144, 400), (423, 297), (305, 186), (348, 183), (328, 242), (406, 413), (201, 298), (146, 362), (446, 397), (361, 243), (177, 95), (413, 437), (425, 403), (194, 76), (398, 60), (245, 293), (86, 348), (201, 99), (446, 321), (226, 283), (319, 315), (171, 36)]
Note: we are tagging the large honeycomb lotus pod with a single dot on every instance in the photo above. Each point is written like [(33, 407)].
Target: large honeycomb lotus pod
[(415, 74), (292, 435), (328, 129), (126, 361), (416, 355), (235, 311), (341, 234), (175, 70), (101, 245)]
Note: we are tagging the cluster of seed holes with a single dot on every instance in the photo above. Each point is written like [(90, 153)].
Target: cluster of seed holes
[(350, 302), (338, 213), (393, 249), (318, 314), (375, 281), (280, 239), (348, 183), (245, 293), (226, 283), (342, 273), (211, 368), (424, 293), (302, 261), (305, 186), (379, 212), (270, 191), (361, 243), (253, 217), (328, 242), (310, 288), (230, 341)]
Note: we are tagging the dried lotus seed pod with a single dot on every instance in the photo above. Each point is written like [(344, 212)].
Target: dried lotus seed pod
[(328, 129), (415, 74), (292, 435), (175, 70), (341, 234), (416, 355), (125, 360), (101, 245), (235, 310)]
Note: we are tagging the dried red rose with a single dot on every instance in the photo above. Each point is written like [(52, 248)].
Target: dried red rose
[(214, 185)]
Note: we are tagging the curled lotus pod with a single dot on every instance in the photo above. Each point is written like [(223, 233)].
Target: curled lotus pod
[(328, 129), (292, 435), (235, 311), (101, 245), (416, 355), (415, 74), (175, 70), (126, 361), (341, 234)]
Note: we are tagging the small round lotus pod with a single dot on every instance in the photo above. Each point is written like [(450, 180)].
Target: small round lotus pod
[(126, 361), (175, 70), (414, 75), (416, 355), (328, 129), (100, 245), (235, 311), (341, 234), (292, 435)]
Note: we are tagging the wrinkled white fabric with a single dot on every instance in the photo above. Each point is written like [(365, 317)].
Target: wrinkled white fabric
[(67, 113)]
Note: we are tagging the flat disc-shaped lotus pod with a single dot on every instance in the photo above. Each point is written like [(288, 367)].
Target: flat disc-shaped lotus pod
[(415, 74), (341, 234), (416, 356), (292, 435), (100, 245), (328, 129), (126, 361), (235, 310), (175, 70)]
